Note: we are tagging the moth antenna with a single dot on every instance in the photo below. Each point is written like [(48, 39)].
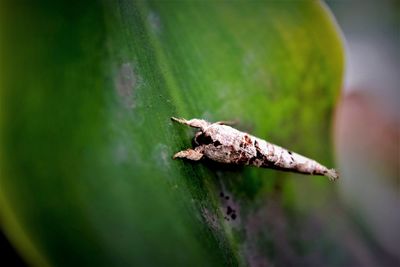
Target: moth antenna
[(227, 122), (195, 123)]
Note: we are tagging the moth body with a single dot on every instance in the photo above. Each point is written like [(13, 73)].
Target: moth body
[(225, 144)]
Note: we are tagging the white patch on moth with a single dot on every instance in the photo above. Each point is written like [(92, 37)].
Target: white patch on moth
[(224, 144)]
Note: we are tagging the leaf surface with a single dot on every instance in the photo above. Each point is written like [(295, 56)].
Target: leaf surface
[(87, 91)]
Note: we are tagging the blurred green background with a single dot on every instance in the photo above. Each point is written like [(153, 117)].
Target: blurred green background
[(86, 92)]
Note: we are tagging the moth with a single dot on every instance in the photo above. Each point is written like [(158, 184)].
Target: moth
[(224, 144)]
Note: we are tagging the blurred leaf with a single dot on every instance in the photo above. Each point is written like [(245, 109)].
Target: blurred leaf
[(87, 90)]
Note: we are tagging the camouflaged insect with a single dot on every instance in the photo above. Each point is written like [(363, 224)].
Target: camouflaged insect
[(224, 144)]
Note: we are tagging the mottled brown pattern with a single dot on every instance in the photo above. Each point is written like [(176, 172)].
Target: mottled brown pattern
[(224, 144)]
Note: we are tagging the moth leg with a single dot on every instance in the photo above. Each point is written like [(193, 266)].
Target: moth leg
[(196, 123), (189, 154), (196, 136)]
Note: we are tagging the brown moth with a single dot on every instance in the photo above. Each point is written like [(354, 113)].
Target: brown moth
[(222, 143)]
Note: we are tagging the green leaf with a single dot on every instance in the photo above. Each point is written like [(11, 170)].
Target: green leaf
[(87, 91)]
